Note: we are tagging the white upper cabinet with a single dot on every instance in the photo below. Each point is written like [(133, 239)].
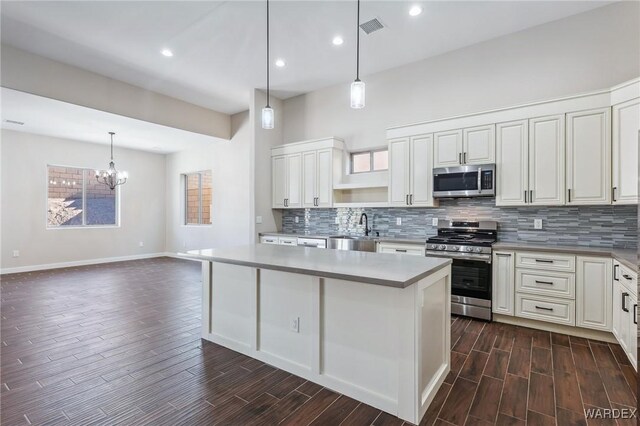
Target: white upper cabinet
[(279, 182), (626, 128), (421, 172), (447, 149), (294, 180), (589, 157), (546, 161), (410, 173), (309, 178), (303, 173), (399, 168), (512, 159), (479, 145)]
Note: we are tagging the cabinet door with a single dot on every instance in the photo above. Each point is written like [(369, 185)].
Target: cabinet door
[(447, 148), (503, 285), (546, 161), (309, 183), (512, 161), (421, 172), (632, 335), (294, 180), (619, 322), (479, 145), (593, 292), (278, 181), (589, 157), (324, 192), (399, 172), (626, 128)]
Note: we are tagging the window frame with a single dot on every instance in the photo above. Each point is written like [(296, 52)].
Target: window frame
[(370, 152), (185, 195), (84, 225)]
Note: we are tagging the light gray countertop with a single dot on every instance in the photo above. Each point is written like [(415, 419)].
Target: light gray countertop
[(628, 257), (372, 268)]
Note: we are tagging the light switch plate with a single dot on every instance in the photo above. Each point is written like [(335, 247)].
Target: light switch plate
[(337, 221), (434, 221), (297, 219), (398, 221), (258, 219), (537, 223)]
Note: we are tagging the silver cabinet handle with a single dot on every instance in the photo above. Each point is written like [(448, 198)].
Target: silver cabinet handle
[(626, 277), (543, 308), (531, 196), (459, 158), (464, 158), (410, 199), (624, 301), (525, 197), (635, 314), (401, 251), (615, 270), (406, 201), (613, 193), (544, 282), (544, 261), (568, 195), (504, 254)]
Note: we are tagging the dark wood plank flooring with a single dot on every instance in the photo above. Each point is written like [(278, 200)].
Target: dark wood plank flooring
[(119, 344)]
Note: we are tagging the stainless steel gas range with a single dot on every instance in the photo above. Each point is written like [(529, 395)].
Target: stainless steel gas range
[(468, 243)]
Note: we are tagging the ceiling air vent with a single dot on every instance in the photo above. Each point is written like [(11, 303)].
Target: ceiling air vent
[(20, 123), (371, 26)]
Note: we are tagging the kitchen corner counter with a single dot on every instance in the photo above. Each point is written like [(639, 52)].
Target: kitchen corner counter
[(421, 241), (372, 268), (628, 257)]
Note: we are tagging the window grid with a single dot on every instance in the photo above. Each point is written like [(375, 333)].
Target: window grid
[(371, 162)]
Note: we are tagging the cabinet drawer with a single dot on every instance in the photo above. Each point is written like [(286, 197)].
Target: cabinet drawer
[(546, 309), (269, 240), (546, 261), (412, 249), (553, 284), (627, 278), (288, 241)]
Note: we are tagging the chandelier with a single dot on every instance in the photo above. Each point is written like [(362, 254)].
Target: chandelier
[(111, 177)]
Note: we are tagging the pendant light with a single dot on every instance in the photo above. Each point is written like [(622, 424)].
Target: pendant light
[(268, 117), (357, 87), (111, 177)]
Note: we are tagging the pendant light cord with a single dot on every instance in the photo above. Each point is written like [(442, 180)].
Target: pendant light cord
[(268, 106), (357, 44), (111, 133)]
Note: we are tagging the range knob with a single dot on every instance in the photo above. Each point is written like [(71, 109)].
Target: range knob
[(468, 249), (454, 248), (433, 247), (478, 249), (442, 247)]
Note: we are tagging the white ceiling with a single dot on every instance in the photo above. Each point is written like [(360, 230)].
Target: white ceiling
[(50, 117), (219, 47)]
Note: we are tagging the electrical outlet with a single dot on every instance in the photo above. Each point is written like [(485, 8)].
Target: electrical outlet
[(434, 221), (537, 223), (258, 219), (295, 324), (398, 221), (141, 243), (296, 219), (16, 253), (337, 221)]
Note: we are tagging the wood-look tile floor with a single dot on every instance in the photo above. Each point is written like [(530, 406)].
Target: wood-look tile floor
[(119, 344)]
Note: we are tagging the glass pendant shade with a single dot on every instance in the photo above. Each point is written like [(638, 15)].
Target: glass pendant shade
[(268, 118), (357, 94)]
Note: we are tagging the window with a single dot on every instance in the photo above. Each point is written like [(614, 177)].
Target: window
[(75, 198), (198, 190), (369, 161)]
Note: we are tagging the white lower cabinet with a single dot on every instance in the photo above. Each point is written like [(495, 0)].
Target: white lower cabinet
[(502, 289), (594, 292), (397, 248), (267, 239), (547, 309), (625, 307)]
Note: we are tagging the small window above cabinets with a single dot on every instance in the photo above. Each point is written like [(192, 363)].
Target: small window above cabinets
[(474, 145)]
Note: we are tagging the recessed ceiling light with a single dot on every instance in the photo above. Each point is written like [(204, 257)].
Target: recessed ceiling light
[(166, 52), (337, 41), (415, 11), (280, 63)]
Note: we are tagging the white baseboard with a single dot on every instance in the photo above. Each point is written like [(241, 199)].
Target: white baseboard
[(45, 266)]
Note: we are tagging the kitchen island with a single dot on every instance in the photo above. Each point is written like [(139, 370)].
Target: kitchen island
[(375, 327)]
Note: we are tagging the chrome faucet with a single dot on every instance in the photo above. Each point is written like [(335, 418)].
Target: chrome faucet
[(366, 224)]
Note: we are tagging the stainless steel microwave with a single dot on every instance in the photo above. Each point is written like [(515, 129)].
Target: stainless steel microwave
[(464, 181)]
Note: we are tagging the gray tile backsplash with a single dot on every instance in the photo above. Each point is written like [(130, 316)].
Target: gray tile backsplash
[(596, 226)]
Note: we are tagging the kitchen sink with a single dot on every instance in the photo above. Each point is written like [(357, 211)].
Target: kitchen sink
[(354, 243)]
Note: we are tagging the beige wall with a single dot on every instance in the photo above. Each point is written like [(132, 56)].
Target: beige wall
[(35, 74), (230, 163), (585, 52), (23, 182)]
